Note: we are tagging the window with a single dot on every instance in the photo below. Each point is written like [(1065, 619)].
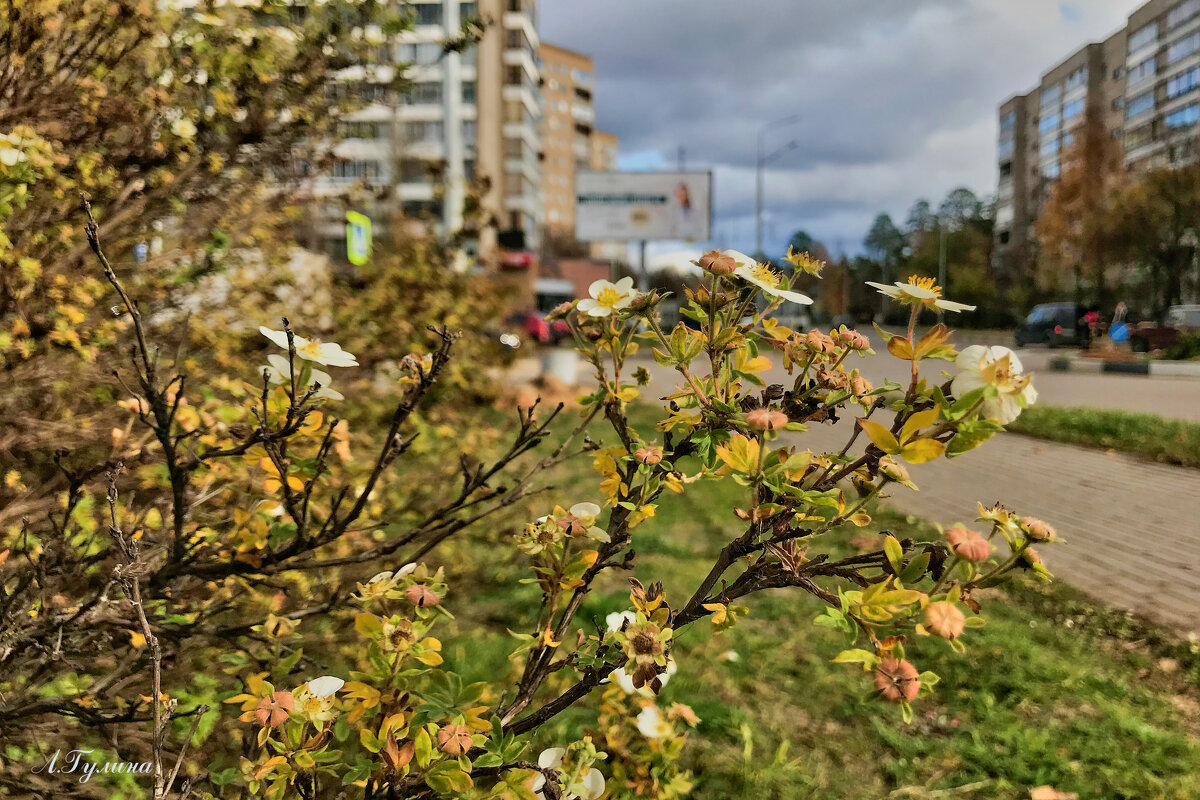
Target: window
[(421, 131), (1006, 150), (468, 92), (347, 169), (1188, 115), (420, 52), (1139, 105), (1049, 122), (1184, 47), (1077, 78), (420, 94), (1143, 36), (1005, 236), (1052, 170), (429, 13), (1072, 109), (364, 130), (1068, 140), (1008, 121), (1139, 137), (1182, 13), (1143, 70), (1006, 169), (1183, 83), (1050, 148), (413, 171), (468, 10), (469, 131), (1050, 96)]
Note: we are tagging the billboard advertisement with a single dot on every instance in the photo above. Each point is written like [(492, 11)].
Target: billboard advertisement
[(643, 206)]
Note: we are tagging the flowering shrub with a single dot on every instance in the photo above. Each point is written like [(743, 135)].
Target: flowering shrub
[(267, 509)]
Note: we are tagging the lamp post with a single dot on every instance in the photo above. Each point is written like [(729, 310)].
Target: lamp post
[(760, 162)]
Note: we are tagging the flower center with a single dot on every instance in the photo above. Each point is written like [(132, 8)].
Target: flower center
[(763, 274), (608, 298), (925, 283), (312, 348)]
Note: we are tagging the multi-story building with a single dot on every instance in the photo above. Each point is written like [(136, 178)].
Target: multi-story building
[(569, 132), (464, 115), (1142, 84)]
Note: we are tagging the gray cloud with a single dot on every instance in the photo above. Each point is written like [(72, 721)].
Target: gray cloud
[(896, 98)]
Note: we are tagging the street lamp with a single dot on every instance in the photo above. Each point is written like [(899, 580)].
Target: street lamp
[(760, 162)]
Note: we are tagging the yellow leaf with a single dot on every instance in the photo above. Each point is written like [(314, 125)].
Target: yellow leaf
[(719, 612), (900, 348), (881, 436), (137, 639), (922, 450), (918, 422)]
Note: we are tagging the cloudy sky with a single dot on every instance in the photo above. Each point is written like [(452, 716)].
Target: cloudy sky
[(897, 98)]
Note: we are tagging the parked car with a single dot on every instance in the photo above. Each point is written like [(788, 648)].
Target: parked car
[(1054, 324), (1147, 336)]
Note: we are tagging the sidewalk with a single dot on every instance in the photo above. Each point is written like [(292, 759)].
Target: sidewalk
[(1132, 528)]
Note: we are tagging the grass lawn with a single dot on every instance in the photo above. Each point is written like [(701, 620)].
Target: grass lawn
[(1171, 441), (1052, 691)]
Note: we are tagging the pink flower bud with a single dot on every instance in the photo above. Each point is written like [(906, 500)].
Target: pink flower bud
[(1038, 530), (897, 680), (764, 419), (718, 263), (649, 455), (944, 619), (967, 545), (422, 596)]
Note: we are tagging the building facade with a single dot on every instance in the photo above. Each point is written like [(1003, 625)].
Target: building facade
[(1142, 84), (465, 115), (569, 132)]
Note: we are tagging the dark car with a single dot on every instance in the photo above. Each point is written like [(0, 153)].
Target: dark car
[(1054, 324), (1147, 336)]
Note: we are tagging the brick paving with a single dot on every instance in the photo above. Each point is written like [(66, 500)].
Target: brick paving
[(1132, 528)]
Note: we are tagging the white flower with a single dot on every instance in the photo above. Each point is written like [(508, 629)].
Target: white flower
[(607, 297), (552, 758), (330, 354), (731, 656), (10, 156), (999, 368), (184, 128), (386, 575), (324, 686), (918, 290), (652, 724), (406, 569), (585, 510), (615, 620), (280, 370), (764, 278), (625, 680)]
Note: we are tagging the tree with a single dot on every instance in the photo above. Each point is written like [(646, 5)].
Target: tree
[(1156, 222), (1074, 230), (885, 244), (920, 221), (960, 206)]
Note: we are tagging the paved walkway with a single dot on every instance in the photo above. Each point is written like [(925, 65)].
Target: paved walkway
[(1132, 527)]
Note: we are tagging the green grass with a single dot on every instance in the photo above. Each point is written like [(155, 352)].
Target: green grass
[(1171, 441), (1052, 691)]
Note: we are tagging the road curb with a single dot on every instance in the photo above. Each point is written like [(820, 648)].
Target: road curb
[(1170, 369)]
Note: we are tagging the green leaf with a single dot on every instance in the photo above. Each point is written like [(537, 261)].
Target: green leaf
[(895, 553), (423, 748)]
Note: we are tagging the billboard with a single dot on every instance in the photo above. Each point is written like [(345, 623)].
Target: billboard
[(643, 206)]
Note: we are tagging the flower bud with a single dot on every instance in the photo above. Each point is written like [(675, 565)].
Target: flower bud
[(819, 342), (897, 680), (422, 596), (764, 419), (860, 385), (560, 311), (454, 740), (893, 470), (967, 545), (851, 339), (649, 455), (944, 619), (718, 263), (1038, 530)]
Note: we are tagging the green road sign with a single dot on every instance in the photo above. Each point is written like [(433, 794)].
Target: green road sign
[(358, 238)]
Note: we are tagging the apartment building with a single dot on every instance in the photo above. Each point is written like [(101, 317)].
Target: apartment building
[(465, 115), (1142, 84), (569, 132)]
